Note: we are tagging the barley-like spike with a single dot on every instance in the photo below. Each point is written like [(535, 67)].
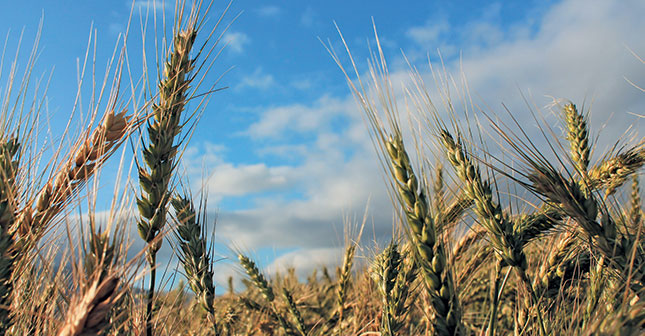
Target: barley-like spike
[(602, 231), (257, 277), (534, 225), (295, 313), (578, 137), (89, 153), (613, 172), (193, 255), (429, 251)]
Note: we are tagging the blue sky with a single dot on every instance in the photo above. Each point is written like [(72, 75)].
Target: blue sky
[(286, 146)]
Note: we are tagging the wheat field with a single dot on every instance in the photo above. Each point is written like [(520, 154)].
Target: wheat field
[(548, 244)]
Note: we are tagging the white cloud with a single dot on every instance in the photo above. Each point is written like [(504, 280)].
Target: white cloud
[(116, 28), (257, 80), (155, 5), (299, 118), (269, 11), (581, 56), (429, 34), (308, 17), (304, 261), (231, 180), (236, 41), (302, 84)]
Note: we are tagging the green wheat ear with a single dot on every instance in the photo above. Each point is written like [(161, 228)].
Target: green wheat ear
[(578, 137), (429, 252), (193, 255), (159, 154)]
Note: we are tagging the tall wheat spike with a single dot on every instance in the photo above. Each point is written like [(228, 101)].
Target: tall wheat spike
[(429, 255), (159, 154)]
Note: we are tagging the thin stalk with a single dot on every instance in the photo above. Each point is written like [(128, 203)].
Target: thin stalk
[(494, 298), (151, 294)]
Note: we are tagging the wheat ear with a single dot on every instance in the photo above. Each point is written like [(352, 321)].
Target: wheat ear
[(262, 284), (393, 278), (295, 313), (429, 254), (9, 159), (501, 232), (344, 278), (603, 231), (159, 154), (193, 255), (578, 137), (88, 155), (612, 173), (87, 314)]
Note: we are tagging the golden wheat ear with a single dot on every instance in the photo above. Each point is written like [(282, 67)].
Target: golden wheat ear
[(88, 155), (88, 312)]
